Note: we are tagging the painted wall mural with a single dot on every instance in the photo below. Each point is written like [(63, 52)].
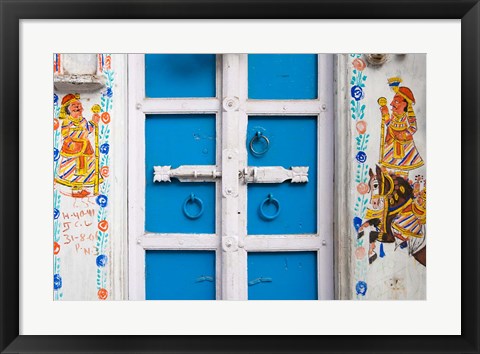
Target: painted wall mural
[(82, 184), (388, 181), (390, 198)]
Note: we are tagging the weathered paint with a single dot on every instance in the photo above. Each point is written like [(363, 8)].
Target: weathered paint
[(282, 276), (180, 275), (180, 75), (282, 76)]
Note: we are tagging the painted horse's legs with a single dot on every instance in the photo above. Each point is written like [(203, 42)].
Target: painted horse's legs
[(372, 255), (372, 238)]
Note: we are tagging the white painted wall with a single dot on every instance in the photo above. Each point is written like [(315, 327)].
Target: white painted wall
[(75, 260), (396, 275)]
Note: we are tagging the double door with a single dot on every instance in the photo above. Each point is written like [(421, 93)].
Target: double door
[(230, 177)]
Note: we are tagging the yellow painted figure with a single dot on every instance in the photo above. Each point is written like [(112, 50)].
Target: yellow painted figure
[(397, 149), (79, 161)]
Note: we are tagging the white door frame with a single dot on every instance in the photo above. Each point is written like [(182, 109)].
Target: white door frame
[(232, 109)]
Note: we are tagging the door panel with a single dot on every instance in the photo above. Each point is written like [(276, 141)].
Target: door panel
[(282, 276), (180, 275), (180, 75), (282, 76), (292, 142), (179, 139), (170, 209), (174, 140)]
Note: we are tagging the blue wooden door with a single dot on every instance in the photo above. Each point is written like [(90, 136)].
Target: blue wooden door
[(184, 181), (180, 207)]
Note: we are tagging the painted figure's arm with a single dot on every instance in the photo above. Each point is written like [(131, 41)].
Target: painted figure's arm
[(385, 113), (412, 125), (66, 125), (88, 125), (382, 101), (93, 122)]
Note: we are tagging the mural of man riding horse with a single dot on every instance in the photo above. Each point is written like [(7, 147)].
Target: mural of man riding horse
[(397, 214), (397, 211)]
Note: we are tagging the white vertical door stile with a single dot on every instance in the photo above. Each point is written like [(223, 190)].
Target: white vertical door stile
[(325, 176), (218, 183), (242, 187), (231, 282), (136, 176)]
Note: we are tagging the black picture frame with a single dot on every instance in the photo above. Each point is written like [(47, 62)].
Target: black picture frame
[(13, 11)]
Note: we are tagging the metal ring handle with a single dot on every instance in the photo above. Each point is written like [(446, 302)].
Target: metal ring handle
[(193, 199), (257, 137), (270, 200)]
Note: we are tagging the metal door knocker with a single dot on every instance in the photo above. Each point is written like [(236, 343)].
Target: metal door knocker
[(257, 137), (192, 199), (269, 200)]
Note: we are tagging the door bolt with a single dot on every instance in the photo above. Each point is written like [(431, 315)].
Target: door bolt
[(138, 106), (324, 243), (228, 191)]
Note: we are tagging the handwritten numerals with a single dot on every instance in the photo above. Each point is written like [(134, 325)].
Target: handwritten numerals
[(79, 231)]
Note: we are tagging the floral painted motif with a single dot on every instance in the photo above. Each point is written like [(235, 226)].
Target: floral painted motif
[(361, 288), (357, 93), (102, 200), (102, 294), (104, 61), (361, 127), (357, 109), (57, 279), (103, 225), (362, 188), (104, 171), (359, 64), (101, 261)]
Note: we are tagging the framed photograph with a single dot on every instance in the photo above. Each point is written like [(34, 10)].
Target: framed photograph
[(272, 154)]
